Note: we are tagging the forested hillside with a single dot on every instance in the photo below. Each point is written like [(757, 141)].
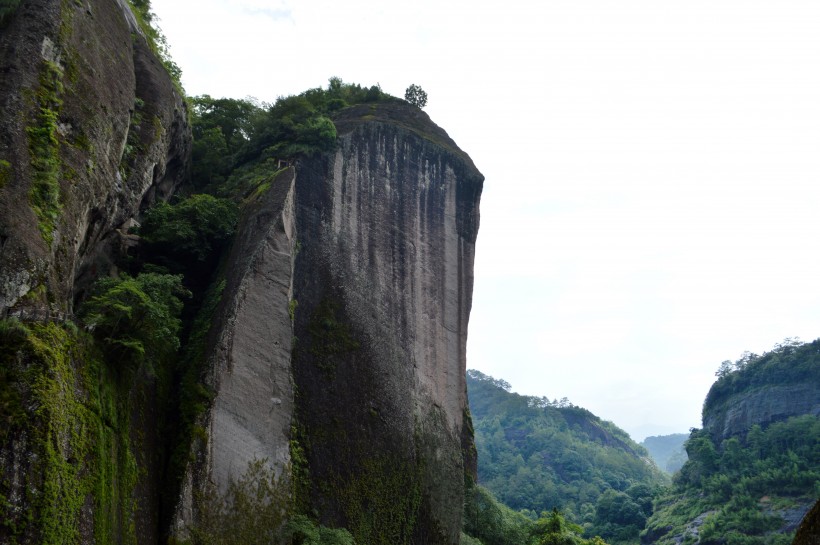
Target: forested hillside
[(754, 469), (535, 455)]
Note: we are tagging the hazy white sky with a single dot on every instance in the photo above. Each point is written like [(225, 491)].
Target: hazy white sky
[(652, 170)]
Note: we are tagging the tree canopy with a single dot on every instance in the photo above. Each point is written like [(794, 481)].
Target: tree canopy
[(416, 96), (137, 318)]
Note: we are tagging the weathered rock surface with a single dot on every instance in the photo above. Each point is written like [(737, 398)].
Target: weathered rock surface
[(383, 249), (91, 127), (387, 227), (763, 406)]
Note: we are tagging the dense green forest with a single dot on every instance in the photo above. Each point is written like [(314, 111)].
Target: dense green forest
[(667, 451), (750, 488), (535, 455)]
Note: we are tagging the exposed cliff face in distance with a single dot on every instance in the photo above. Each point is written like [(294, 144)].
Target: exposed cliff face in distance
[(91, 128), (782, 383), (754, 468)]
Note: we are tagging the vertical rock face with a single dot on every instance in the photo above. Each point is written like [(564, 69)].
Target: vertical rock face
[(736, 415), (91, 129), (91, 126), (365, 261), (387, 227), (251, 415)]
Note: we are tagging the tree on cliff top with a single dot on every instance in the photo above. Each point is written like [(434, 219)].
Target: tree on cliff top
[(416, 96)]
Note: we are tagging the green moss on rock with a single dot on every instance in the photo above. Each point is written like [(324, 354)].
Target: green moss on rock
[(44, 148), (66, 409)]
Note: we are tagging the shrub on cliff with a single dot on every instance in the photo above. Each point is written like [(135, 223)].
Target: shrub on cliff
[(190, 231), (136, 318)]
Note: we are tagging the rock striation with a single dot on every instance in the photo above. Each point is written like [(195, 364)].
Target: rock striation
[(384, 281), (370, 250), (91, 129)]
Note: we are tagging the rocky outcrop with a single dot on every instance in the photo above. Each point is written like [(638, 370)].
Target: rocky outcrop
[(763, 406), (91, 128), (380, 296), (249, 365), (384, 278)]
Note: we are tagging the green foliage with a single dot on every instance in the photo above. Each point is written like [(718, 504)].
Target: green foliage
[(534, 454), (194, 395), (295, 125), (380, 500), (44, 148), (137, 319), (156, 39), (667, 450), (252, 511), (621, 516), (416, 96), (188, 232), (789, 362), (743, 481), (232, 137), (304, 531), (221, 129), (66, 409), (256, 510), (492, 522), (553, 529)]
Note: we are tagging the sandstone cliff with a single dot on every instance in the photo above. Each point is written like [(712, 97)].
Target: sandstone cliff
[(338, 321), (780, 384), (384, 283), (762, 407), (91, 128), (369, 250)]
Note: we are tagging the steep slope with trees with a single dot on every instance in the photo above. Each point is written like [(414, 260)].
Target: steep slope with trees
[(535, 455), (754, 468)]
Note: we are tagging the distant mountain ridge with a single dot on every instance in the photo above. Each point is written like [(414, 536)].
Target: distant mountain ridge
[(667, 451)]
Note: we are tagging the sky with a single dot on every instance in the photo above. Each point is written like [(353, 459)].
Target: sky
[(652, 169)]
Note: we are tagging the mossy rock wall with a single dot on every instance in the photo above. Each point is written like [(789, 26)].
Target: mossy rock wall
[(75, 459)]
